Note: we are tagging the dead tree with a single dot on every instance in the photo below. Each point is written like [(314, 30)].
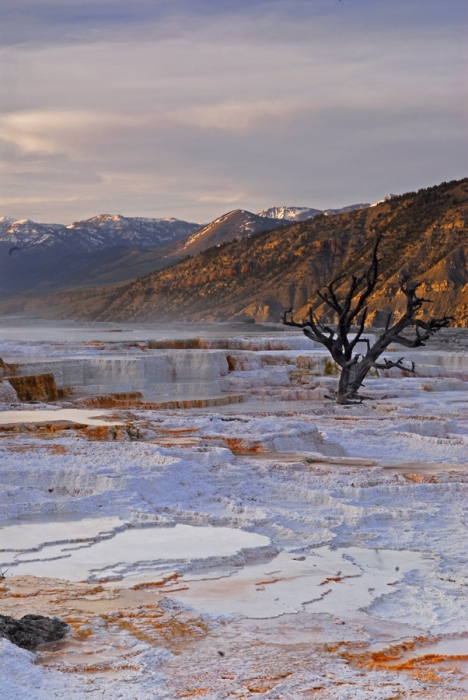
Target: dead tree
[(351, 310)]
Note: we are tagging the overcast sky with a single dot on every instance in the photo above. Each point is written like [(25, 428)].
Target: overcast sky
[(192, 108)]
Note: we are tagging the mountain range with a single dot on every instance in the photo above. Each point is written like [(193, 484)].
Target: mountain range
[(424, 235), (103, 231), (112, 248)]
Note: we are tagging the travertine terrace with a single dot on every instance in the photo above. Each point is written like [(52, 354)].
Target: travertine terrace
[(210, 525)]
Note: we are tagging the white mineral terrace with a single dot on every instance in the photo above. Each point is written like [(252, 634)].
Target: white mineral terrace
[(280, 547)]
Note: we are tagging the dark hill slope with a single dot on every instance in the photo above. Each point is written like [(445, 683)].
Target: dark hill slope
[(107, 249), (36, 258), (425, 233)]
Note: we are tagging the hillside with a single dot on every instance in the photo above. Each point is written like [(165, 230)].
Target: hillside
[(110, 248), (36, 257), (236, 224), (107, 266), (424, 233), (107, 248)]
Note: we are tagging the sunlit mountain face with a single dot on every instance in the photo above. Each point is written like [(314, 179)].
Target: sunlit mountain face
[(259, 274)]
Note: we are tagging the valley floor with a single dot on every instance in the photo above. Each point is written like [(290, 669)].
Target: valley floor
[(278, 547)]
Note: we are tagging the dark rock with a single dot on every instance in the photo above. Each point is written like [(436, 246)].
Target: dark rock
[(37, 387), (32, 630)]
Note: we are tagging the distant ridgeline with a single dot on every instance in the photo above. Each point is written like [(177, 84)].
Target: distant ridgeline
[(262, 273), (46, 256), (110, 248)]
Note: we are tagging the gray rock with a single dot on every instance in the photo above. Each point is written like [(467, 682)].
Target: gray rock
[(32, 630)]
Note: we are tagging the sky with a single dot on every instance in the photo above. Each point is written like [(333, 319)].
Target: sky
[(192, 108)]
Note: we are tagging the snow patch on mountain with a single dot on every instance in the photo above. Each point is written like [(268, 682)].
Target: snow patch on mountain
[(303, 213), (385, 199), (97, 233), (344, 210), (289, 213)]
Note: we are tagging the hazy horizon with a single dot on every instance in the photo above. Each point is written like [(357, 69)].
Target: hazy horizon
[(192, 109), (118, 213)]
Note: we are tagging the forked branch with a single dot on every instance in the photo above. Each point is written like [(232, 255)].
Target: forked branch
[(351, 309), (399, 364)]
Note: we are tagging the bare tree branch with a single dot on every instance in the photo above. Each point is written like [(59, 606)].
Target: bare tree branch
[(388, 364), (354, 304)]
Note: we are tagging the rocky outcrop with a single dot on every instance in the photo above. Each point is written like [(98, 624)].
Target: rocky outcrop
[(32, 630), (37, 387)]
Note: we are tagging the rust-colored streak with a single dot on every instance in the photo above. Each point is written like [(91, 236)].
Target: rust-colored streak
[(37, 387), (155, 584), (180, 431), (336, 579), (191, 692), (422, 478), (110, 401), (405, 658), (244, 446)]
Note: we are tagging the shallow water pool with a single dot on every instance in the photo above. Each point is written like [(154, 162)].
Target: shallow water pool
[(92, 549), (75, 415)]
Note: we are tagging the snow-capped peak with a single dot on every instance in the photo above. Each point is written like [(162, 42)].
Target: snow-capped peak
[(303, 213), (385, 199), (96, 233), (289, 213)]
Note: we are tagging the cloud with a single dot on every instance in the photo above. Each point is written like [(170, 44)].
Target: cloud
[(48, 132), (190, 108), (237, 116), (56, 21)]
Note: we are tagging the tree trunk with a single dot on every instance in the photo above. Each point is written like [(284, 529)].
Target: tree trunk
[(343, 386), (351, 379)]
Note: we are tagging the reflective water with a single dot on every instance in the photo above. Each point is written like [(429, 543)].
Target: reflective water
[(32, 329), (342, 582), (93, 549), (75, 415)]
